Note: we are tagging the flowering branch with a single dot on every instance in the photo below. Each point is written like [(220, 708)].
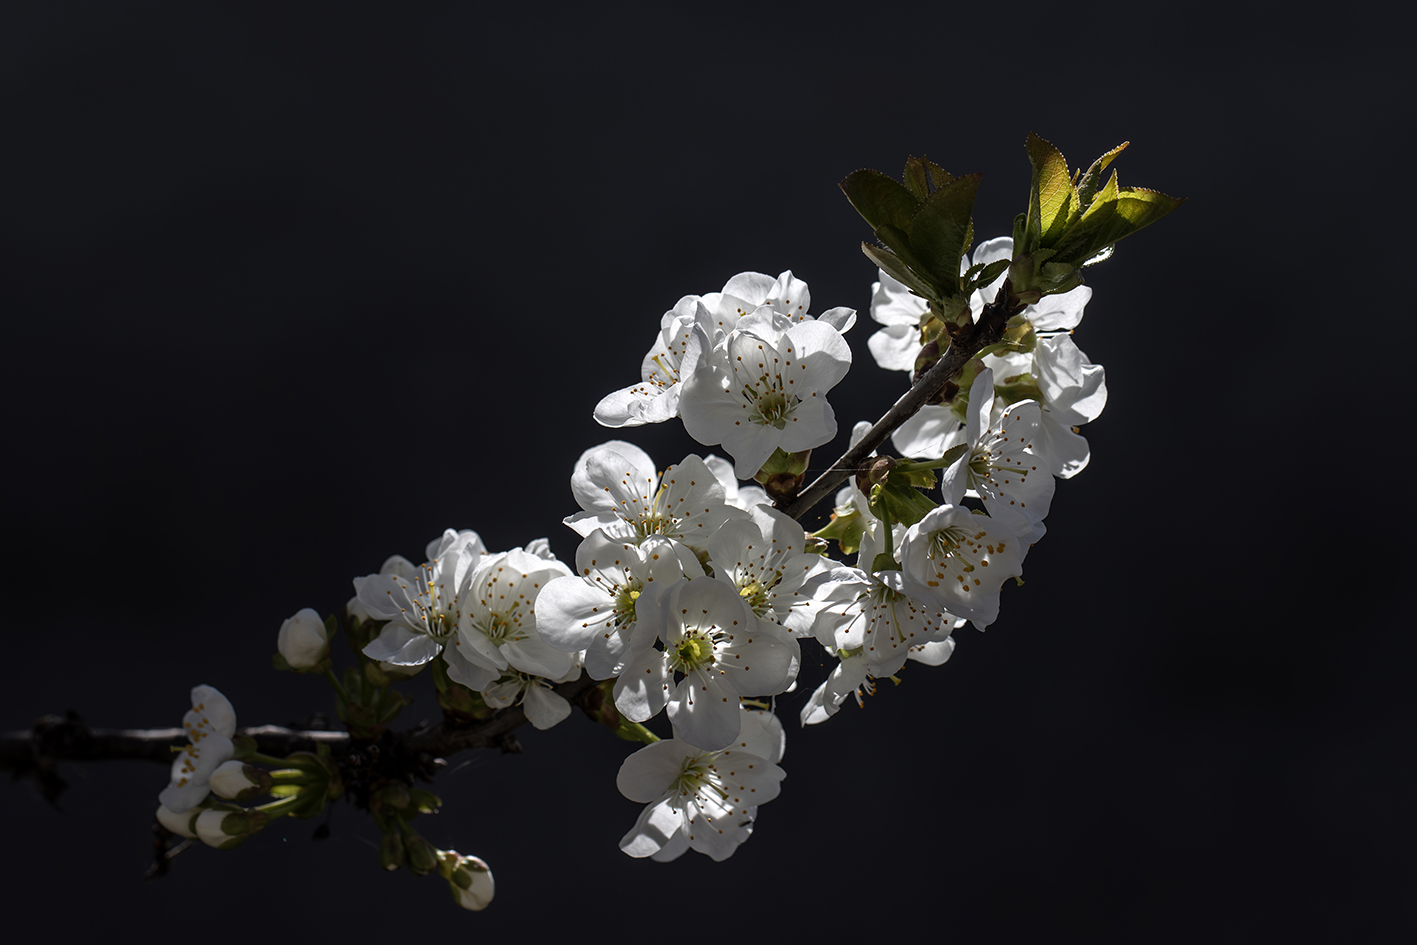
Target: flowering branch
[(692, 595), (66, 738)]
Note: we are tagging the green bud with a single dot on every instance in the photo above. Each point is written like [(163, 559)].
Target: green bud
[(422, 857), (391, 851), (425, 802), (238, 781), (394, 794), (375, 676)]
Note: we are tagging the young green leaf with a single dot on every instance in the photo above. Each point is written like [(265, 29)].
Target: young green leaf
[(879, 199), (940, 230)]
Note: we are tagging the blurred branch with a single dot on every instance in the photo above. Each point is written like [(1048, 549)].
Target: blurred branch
[(55, 738)]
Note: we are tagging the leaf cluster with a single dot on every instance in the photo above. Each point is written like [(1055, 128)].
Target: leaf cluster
[(1074, 219), (925, 227)]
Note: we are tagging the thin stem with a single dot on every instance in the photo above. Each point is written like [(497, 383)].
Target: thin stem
[(987, 331)]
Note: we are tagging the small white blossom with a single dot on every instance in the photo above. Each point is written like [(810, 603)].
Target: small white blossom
[(765, 388), (422, 611), (702, 800), (958, 561), (621, 492), (209, 725), (496, 621), (722, 651), (469, 877), (999, 464), (610, 607)]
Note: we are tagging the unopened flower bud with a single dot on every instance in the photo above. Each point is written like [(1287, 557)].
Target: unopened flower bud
[(391, 852), (394, 795), (226, 829), (304, 640), (469, 878), (180, 824), (238, 781), (425, 802), (422, 857)]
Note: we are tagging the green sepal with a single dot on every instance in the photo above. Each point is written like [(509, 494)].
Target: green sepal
[(953, 453), (879, 199), (331, 627), (915, 478), (391, 851), (279, 664), (1019, 387), (425, 802), (884, 562), (899, 503), (845, 530)]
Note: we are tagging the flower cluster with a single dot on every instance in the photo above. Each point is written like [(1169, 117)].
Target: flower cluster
[(690, 594)]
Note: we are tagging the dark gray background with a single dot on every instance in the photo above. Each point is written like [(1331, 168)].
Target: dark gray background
[(287, 291)]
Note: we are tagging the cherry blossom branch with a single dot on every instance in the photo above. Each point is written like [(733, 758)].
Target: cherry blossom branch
[(987, 331), (66, 738)]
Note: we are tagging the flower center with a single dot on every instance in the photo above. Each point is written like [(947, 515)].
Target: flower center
[(693, 651), (625, 600)]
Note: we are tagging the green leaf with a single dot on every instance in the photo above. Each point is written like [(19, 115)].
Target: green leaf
[(894, 266), (917, 179), (1020, 229), (1052, 198), (940, 230), (986, 274), (953, 453), (940, 175), (1087, 186), (879, 199), (1117, 212)]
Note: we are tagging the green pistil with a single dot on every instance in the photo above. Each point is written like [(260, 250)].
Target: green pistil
[(625, 604)]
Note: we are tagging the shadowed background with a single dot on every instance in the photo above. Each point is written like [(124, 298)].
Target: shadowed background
[(289, 291)]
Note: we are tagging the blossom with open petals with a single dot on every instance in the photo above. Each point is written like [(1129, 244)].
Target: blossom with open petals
[(702, 800), (720, 650), (764, 388)]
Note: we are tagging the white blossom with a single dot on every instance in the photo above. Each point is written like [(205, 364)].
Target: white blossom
[(957, 561), (422, 611), (620, 491), (765, 388), (896, 346), (702, 800), (999, 465), (496, 621), (721, 650), (610, 607), (209, 725), (738, 496)]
